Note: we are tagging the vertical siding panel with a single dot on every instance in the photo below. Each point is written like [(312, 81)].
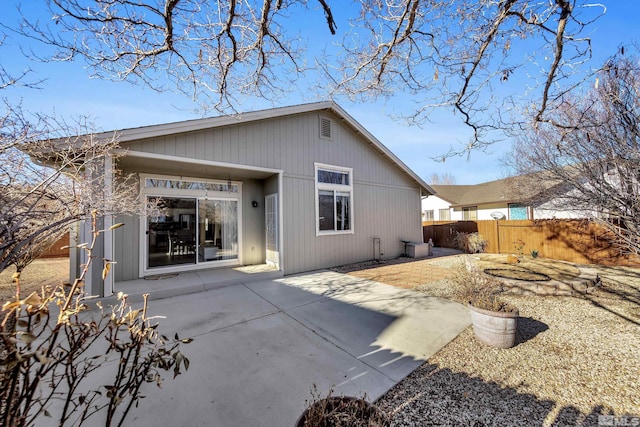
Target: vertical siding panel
[(126, 245), (165, 146), (208, 145), (147, 146), (199, 151), (235, 144), (242, 145), (299, 149), (181, 144), (217, 145), (190, 145), (226, 145)]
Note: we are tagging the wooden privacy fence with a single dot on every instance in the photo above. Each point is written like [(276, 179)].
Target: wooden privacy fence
[(579, 241), (55, 251)]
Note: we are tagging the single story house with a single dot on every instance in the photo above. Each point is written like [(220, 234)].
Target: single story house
[(301, 188), (510, 198)]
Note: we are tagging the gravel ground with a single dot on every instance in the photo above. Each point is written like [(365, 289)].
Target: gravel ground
[(576, 358)]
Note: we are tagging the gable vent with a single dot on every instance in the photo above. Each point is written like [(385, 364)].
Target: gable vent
[(325, 128)]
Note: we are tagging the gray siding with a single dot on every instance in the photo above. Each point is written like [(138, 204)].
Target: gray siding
[(391, 214), (126, 249), (253, 235), (386, 200), (290, 143)]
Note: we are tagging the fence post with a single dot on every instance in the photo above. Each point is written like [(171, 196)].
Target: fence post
[(496, 233)]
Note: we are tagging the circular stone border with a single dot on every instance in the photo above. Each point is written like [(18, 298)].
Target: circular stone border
[(495, 272)]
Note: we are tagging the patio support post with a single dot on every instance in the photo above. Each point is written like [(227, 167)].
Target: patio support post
[(108, 222)]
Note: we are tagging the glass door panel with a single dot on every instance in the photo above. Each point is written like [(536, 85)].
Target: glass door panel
[(171, 233), (218, 230)]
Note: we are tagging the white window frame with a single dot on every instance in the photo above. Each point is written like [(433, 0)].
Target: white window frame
[(335, 188), (195, 194), (441, 217), (468, 209), (428, 215)]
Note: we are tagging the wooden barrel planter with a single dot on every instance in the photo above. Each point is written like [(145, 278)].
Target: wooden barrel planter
[(494, 328)]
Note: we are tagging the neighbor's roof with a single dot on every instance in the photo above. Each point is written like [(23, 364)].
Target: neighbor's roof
[(508, 190), (127, 135)]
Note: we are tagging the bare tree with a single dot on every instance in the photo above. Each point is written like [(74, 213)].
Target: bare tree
[(445, 178), (460, 55), (591, 152), (52, 174)]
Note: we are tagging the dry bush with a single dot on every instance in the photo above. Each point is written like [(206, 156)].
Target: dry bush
[(341, 411), (53, 348), (471, 243), (478, 289)]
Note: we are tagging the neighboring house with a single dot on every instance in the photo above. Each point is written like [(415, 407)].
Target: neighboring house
[(500, 199), (302, 188)]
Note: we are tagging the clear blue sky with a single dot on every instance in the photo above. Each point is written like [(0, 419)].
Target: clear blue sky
[(68, 91)]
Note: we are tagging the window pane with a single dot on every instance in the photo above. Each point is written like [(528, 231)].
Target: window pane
[(342, 211), (444, 215), (218, 225), (171, 232), (428, 215), (332, 177), (190, 185), (517, 211), (469, 214), (326, 210)]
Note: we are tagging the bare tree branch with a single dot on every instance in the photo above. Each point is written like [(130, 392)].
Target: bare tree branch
[(590, 153), (499, 65)]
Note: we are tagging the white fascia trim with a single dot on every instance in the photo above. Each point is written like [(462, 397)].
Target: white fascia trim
[(153, 156)]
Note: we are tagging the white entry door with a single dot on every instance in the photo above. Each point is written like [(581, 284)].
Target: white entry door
[(271, 227)]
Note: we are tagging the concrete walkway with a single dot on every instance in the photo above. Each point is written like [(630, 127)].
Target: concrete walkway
[(260, 347)]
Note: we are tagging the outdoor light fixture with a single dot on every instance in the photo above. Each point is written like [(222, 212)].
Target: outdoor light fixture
[(254, 204)]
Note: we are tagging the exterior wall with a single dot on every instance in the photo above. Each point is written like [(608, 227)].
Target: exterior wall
[(253, 235), (485, 211), (389, 213), (557, 209), (386, 201), (435, 203), (289, 143), (126, 248)]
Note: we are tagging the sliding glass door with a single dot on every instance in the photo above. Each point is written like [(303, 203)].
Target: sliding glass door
[(172, 232), (194, 222), (218, 225)]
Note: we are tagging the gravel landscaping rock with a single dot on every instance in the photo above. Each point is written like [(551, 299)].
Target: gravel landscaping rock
[(576, 358)]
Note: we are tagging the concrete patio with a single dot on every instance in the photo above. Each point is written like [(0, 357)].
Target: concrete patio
[(260, 347)]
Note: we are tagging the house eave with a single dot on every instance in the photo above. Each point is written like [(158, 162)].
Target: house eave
[(134, 134)]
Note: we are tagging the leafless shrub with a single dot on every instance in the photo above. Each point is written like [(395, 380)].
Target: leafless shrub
[(337, 411), (53, 173), (471, 243), (51, 347), (474, 287)]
